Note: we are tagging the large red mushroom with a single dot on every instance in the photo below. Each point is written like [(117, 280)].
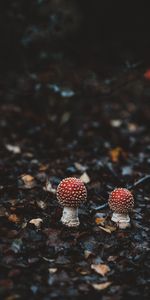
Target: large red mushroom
[(71, 192), (121, 202)]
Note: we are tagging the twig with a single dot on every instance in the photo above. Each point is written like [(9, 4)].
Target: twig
[(139, 182), (100, 207)]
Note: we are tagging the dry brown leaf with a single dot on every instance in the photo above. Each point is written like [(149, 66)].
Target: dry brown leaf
[(37, 222), (43, 167), (28, 180), (105, 229), (99, 221), (101, 286), (101, 269), (111, 228), (116, 153), (13, 218)]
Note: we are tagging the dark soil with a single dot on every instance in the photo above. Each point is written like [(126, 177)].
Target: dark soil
[(72, 104)]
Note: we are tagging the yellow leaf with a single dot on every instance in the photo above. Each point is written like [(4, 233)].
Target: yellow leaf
[(99, 221), (116, 153), (101, 269), (101, 286)]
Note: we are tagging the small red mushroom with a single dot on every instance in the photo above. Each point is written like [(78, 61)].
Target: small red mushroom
[(121, 202), (71, 192)]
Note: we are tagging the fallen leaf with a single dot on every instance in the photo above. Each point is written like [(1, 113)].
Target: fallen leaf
[(43, 167), (28, 180), (105, 229), (101, 286), (37, 222), (101, 269), (52, 270), (111, 228), (99, 221), (116, 154), (13, 218), (12, 148), (85, 178)]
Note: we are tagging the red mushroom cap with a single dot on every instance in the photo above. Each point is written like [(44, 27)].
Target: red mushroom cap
[(121, 201), (71, 192)]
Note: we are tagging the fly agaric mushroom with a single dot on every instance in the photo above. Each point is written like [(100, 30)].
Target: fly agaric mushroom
[(121, 202), (71, 192)]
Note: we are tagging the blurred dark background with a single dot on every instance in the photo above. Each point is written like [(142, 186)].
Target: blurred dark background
[(108, 30)]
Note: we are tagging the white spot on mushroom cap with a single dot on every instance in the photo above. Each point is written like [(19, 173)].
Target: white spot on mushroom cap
[(71, 192), (121, 200)]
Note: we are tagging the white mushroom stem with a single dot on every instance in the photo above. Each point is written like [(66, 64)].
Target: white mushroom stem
[(123, 220), (70, 217)]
